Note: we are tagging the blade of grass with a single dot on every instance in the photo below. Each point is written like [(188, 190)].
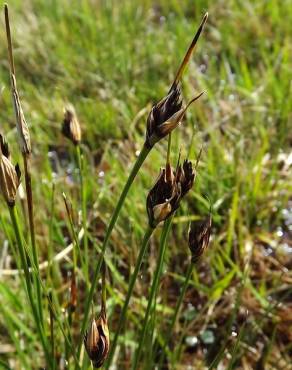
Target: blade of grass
[(133, 279), (176, 312), (83, 197), (153, 290)]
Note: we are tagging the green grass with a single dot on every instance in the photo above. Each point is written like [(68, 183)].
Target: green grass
[(111, 60)]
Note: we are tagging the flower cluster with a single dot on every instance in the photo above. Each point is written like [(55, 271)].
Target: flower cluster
[(9, 174), (96, 340), (199, 236), (71, 127), (166, 115), (170, 187)]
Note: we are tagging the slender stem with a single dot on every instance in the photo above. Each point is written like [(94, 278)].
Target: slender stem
[(176, 312), (133, 279), (140, 160), (52, 336), (50, 272), (103, 288), (27, 175), (83, 196), (73, 231), (14, 220), (153, 290)]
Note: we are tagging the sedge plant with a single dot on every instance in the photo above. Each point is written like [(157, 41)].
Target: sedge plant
[(163, 200), (163, 118)]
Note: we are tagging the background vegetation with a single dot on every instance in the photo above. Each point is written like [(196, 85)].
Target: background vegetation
[(111, 60)]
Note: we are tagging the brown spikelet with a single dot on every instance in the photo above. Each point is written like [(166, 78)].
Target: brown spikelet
[(22, 128), (9, 179), (168, 113), (199, 236), (71, 127), (96, 340), (4, 146)]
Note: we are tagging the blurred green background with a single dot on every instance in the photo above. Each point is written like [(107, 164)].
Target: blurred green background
[(112, 60)]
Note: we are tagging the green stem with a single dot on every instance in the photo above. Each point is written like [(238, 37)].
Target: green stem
[(153, 291), (84, 210), (52, 336), (176, 312), (133, 279), (52, 271), (14, 220), (73, 232), (103, 288), (27, 175), (140, 160)]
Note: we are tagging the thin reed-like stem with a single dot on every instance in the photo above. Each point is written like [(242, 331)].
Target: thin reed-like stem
[(153, 290), (103, 288), (19, 240), (140, 160), (52, 335), (27, 175), (73, 232), (83, 197), (176, 312), (133, 279)]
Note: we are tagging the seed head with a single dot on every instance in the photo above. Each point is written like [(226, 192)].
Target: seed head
[(96, 340), (163, 198), (186, 177), (22, 128), (71, 127), (4, 146), (199, 236), (9, 176), (23, 132), (165, 116)]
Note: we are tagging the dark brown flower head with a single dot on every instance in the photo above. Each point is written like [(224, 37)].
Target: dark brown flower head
[(199, 236), (9, 177), (4, 146), (186, 177), (163, 198), (165, 116), (161, 113), (71, 127), (96, 340)]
